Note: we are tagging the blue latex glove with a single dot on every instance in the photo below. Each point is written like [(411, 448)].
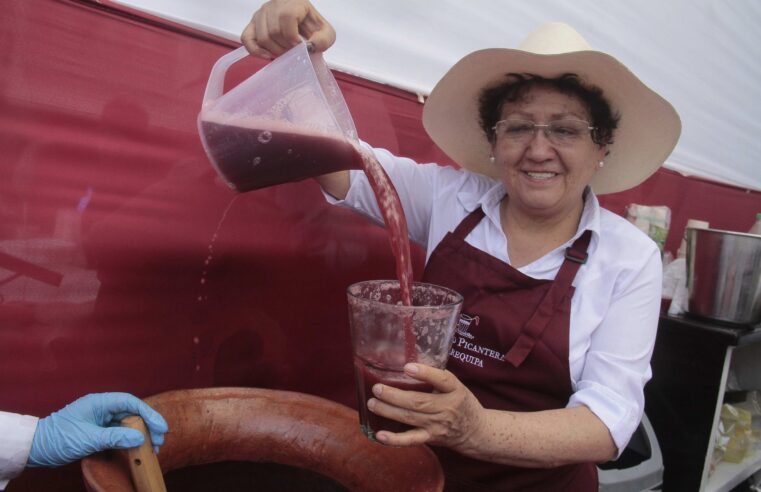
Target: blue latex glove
[(91, 424)]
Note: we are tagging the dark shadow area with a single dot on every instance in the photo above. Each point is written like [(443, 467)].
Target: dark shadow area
[(234, 476)]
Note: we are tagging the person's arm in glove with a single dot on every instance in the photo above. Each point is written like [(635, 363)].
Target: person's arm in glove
[(91, 424)]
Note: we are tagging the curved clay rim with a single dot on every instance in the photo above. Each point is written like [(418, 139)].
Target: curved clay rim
[(271, 426)]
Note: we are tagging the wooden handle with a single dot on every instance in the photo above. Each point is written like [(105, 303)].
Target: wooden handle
[(143, 464)]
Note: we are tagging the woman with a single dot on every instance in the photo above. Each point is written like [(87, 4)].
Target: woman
[(564, 296)]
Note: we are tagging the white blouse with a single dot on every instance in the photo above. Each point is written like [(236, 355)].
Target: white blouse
[(616, 305), (16, 434)]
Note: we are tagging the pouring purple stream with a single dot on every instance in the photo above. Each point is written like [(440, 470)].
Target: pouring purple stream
[(252, 153)]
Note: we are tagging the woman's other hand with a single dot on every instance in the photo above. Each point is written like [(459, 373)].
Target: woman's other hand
[(280, 25), (450, 417), (454, 418)]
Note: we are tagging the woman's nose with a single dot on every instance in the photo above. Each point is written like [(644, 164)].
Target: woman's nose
[(540, 147)]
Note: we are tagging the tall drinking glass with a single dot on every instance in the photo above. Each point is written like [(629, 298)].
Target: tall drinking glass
[(386, 335)]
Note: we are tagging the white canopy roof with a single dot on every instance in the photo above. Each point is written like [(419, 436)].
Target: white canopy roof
[(704, 56)]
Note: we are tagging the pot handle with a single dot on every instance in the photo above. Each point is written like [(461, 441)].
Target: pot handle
[(217, 78), (689, 256)]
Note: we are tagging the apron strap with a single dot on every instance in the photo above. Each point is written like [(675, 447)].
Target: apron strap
[(575, 256), (468, 223)]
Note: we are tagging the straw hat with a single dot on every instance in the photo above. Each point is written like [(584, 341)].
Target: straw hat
[(647, 132)]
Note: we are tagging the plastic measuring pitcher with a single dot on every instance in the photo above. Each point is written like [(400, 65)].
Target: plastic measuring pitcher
[(286, 122)]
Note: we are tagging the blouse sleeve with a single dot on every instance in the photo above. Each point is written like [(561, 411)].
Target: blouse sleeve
[(17, 432), (617, 364), (416, 184)]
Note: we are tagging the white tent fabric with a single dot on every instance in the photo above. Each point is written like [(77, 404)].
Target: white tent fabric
[(704, 56)]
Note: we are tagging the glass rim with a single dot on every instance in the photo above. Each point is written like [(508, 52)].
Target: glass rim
[(459, 299)]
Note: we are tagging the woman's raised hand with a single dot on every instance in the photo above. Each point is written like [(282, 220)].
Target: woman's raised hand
[(281, 24)]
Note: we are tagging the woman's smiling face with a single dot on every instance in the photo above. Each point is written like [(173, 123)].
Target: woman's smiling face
[(543, 179)]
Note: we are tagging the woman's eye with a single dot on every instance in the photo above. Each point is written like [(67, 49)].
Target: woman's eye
[(520, 128), (565, 131)]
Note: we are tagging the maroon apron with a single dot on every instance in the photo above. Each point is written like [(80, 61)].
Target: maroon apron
[(510, 350)]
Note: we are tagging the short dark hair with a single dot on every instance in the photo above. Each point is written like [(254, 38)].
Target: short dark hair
[(516, 86)]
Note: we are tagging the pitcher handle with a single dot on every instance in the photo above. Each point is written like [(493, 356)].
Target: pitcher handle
[(217, 78)]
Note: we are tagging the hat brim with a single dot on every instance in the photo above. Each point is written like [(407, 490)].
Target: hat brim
[(646, 135)]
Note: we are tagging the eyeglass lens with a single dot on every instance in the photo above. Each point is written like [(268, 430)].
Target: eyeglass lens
[(560, 132)]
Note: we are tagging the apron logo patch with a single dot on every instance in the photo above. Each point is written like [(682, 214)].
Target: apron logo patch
[(464, 324), (465, 348)]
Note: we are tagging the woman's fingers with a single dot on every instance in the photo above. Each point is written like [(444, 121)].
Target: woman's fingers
[(271, 31), (318, 31), (449, 416), (412, 400), (266, 32), (414, 437), (283, 26), (280, 25), (442, 381), (399, 414), (248, 38)]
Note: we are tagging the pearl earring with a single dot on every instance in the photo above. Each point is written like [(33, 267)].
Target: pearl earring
[(601, 164), (491, 159)]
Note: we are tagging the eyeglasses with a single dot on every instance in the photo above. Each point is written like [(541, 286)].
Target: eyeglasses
[(559, 132)]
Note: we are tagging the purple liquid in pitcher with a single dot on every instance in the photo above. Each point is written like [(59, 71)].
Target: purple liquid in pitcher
[(253, 154)]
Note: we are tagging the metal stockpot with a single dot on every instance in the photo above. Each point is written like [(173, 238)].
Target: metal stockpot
[(724, 275)]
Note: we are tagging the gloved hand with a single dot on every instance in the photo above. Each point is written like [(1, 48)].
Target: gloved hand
[(91, 424)]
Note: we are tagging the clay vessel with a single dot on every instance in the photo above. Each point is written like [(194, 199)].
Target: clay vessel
[(270, 426)]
